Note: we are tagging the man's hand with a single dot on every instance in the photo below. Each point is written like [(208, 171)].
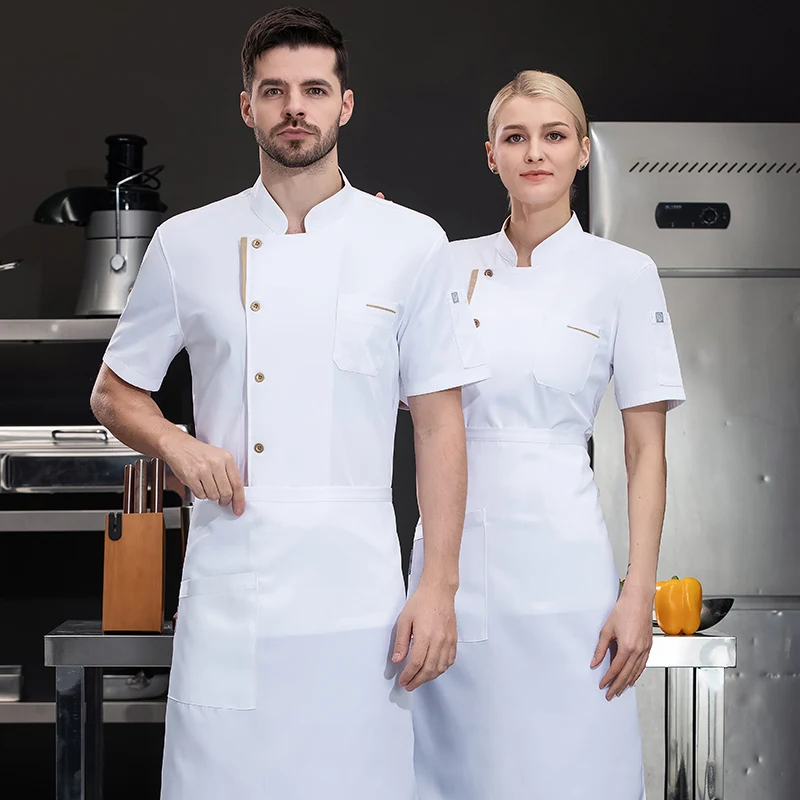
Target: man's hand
[(133, 417), (208, 471), (429, 618)]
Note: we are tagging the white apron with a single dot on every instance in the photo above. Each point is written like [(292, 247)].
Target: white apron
[(301, 347), (280, 680), (520, 716)]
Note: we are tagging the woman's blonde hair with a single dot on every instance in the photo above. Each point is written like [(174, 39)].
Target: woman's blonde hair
[(532, 83)]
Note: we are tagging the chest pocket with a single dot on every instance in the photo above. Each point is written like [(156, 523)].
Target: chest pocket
[(365, 330), (563, 354)]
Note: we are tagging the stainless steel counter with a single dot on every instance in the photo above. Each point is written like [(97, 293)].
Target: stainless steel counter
[(67, 520), (82, 643), (57, 330), (79, 651)]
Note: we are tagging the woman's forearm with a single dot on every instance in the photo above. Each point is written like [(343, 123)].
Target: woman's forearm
[(647, 487)]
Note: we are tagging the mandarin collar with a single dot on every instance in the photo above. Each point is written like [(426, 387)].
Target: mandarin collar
[(322, 214), (552, 247)]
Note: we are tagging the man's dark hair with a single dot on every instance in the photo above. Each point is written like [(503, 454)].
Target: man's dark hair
[(292, 27)]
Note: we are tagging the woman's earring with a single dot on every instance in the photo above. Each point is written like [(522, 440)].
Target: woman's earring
[(493, 170), (582, 167)]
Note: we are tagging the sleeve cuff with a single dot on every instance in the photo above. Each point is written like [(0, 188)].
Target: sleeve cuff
[(447, 380), (131, 376), (674, 395)]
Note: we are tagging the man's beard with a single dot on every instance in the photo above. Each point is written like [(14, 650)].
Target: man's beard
[(291, 153)]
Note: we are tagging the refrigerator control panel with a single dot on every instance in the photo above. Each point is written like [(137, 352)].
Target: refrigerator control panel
[(693, 215)]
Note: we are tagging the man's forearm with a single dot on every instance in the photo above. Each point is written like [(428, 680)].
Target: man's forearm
[(132, 416), (442, 490)]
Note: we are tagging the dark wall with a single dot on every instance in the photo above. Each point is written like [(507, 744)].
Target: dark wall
[(423, 75)]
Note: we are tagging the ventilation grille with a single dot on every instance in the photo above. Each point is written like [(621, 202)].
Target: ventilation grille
[(736, 167)]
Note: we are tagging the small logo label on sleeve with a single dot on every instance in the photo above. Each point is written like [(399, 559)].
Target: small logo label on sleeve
[(659, 317), (454, 296)]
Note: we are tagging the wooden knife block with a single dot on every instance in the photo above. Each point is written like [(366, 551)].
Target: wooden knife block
[(133, 573)]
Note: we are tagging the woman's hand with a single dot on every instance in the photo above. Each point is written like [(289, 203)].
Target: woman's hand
[(630, 625)]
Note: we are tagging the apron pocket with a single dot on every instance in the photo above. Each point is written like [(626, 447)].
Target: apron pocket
[(472, 616), (563, 355), (214, 658), (365, 329)]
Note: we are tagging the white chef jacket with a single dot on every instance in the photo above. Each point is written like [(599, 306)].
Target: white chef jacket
[(390, 321), (585, 310)]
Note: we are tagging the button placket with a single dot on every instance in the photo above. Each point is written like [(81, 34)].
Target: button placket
[(255, 306)]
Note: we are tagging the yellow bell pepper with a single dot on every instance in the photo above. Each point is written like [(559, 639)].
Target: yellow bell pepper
[(678, 603)]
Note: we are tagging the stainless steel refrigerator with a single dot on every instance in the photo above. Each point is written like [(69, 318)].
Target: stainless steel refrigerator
[(717, 207)]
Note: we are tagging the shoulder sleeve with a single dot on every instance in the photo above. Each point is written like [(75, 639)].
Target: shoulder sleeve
[(645, 360), (148, 335), (439, 346)]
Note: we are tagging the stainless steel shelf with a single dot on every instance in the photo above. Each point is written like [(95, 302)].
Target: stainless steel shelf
[(113, 711), (57, 330), (66, 521), (701, 650)]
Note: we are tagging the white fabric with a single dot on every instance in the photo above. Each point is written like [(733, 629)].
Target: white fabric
[(316, 338), (520, 716), (281, 685)]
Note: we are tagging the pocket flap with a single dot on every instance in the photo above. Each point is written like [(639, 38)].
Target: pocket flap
[(564, 352), (585, 328), (372, 309), (218, 584)]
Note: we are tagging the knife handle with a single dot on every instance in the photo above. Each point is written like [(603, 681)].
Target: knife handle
[(140, 487), (159, 476), (127, 490)]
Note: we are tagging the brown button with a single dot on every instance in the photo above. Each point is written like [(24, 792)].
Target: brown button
[(258, 447), (477, 323), (259, 377), (255, 306), (256, 243), (488, 273)]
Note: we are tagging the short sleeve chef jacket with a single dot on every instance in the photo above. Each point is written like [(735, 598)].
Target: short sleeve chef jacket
[(555, 332), (299, 372)]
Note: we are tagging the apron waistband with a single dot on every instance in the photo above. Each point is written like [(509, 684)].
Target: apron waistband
[(319, 494), (526, 435)]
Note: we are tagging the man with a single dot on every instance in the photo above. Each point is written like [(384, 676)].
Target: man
[(308, 310)]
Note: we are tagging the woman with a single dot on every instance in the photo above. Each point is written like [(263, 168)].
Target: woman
[(524, 713)]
